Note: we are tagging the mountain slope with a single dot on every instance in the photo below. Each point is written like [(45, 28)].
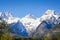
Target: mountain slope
[(18, 29), (48, 21), (54, 32)]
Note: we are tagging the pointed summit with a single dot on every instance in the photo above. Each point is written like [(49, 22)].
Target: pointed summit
[(30, 16), (48, 12), (8, 14)]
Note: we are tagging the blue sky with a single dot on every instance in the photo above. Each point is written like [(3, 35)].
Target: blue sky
[(20, 8)]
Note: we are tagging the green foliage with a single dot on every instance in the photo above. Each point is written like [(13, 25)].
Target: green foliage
[(6, 37), (4, 32)]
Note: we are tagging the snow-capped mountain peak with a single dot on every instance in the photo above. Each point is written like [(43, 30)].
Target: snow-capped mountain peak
[(28, 19), (8, 14), (7, 17), (50, 12)]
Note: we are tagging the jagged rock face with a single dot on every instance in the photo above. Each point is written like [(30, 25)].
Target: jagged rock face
[(42, 29), (54, 31), (56, 28), (7, 17)]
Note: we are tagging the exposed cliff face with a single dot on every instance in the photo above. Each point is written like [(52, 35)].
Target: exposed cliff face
[(54, 31)]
